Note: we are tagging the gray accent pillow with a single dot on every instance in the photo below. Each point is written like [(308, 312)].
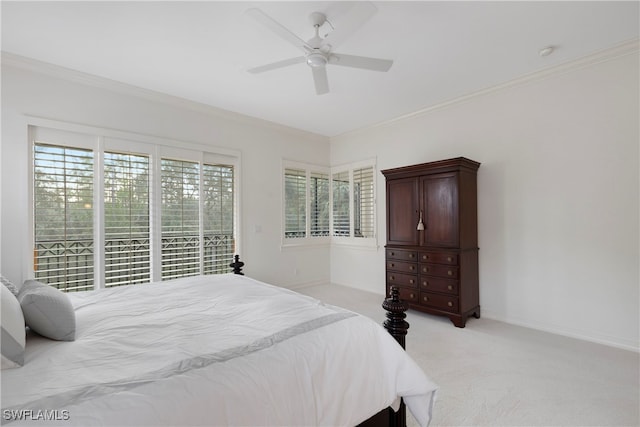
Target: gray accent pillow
[(12, 332), (9, 284), (47, 311)]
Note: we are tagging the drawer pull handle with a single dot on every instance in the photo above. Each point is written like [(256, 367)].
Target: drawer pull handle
[(425, 256), (393, 253), (411, 281), (425, 284), (411, 296), (449, 259), (450, 273), (410, 255), (450, 304), (393, 264), (411, 267), (426, 299), (450, 287), (393, 277)]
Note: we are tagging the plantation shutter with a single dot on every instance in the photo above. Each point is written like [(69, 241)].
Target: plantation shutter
[(319, 194), (363, 205), (63, 217), (295, 200), (180, 218), (341, 221), (218, 211), (126, 215)]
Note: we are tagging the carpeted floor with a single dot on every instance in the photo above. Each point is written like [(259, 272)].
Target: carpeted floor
[(495, 374)]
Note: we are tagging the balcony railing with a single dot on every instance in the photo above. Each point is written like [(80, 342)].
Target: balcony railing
[(69, 265)]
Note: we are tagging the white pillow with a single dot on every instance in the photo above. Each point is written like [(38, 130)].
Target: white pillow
[(9, 284), (12, 328), (47, 311)]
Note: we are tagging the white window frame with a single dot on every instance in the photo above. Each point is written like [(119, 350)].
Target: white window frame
[(308, 240), (351, 240), (99, 140)]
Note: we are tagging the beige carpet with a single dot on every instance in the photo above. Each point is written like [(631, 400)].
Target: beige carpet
[(495, 374)]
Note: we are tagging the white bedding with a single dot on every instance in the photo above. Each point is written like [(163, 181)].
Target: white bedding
[(212, 350)]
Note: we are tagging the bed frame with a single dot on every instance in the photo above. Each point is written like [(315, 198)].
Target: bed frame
[(397, 327)]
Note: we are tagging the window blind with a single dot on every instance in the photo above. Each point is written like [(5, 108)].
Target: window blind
[(363, 202), (295, 199), (341, 215), (180, 214), (126, 215), (319, 194), (63, 216), (218, 218), (184, 213)]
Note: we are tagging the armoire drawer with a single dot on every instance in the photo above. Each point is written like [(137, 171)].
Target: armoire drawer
[(437, 284), (406, 294), (449, 258), (402, 266), (401, 279), (401, 254), (449, 272), (442, 302)]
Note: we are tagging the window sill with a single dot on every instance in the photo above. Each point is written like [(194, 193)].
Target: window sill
[(343, 242), (356, 242), (306, 242)]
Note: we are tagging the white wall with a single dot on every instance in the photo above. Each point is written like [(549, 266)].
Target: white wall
[(558, 186), (558, 196), (262, 146)]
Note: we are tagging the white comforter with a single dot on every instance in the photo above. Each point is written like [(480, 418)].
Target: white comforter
[(212, 350)]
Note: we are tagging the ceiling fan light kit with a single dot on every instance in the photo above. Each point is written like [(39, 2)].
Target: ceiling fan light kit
[(317, 50), (316, 59)]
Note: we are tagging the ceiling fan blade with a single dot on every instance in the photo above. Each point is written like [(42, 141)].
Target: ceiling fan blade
[(364, 62), (355, 17), (320, 80), (278, 28), (278, 64)]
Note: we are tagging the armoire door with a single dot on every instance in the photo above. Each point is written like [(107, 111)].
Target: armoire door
[(440, 205), (402, 211)]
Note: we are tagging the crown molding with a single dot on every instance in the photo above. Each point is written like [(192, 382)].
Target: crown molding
[(74, 76), (623, 49)]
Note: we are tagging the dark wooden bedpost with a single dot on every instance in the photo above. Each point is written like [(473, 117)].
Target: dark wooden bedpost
[(397, 327), (395, 323), (237, 265)]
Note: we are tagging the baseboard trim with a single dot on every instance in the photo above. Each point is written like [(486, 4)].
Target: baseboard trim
[(610, 341), (303, 285)]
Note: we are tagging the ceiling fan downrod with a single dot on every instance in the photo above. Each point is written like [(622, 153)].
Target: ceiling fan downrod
[(316, 58)]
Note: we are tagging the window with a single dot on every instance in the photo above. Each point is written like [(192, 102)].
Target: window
[(319, 192), (103, 218), (363, 202), (218, 217), (306, 203), (180, 218), (295, 203), (341, 216), (63, 216), (320, 204), (127, 243)]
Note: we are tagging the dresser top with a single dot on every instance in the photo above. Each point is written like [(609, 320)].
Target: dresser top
[(455, 164)]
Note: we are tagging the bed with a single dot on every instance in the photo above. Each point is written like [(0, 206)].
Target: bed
[(212, 350)]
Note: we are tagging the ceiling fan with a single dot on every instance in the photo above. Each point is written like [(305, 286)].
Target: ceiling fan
[(318, 51)]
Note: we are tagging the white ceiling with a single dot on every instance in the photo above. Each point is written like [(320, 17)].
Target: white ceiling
[(201, 50)]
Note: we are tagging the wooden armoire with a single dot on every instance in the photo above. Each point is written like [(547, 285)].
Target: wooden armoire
[(432, 237)]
